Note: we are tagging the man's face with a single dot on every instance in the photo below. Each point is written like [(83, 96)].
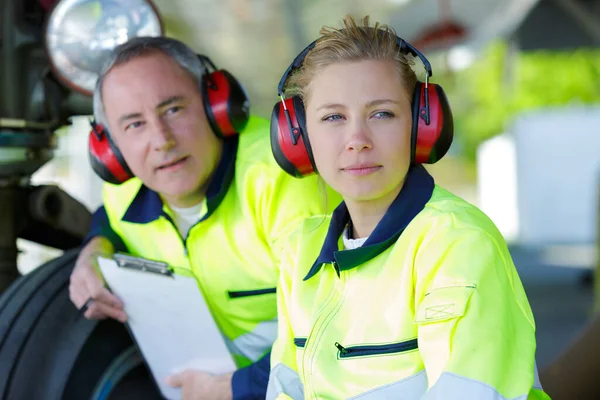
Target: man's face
[(156, 118)]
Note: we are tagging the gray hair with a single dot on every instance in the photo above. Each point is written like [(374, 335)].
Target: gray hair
[(139, 46)]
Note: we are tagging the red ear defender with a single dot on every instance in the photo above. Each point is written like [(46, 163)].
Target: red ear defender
[(225, 101), (289, 142), (106, 159), (433, 125)]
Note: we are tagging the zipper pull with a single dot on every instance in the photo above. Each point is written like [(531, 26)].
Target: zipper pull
[(341, 348), (337, 268)]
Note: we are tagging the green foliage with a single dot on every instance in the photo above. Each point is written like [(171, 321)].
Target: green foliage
[(500, 85)]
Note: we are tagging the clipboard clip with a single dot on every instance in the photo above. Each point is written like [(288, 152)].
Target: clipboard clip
[(141, 264)]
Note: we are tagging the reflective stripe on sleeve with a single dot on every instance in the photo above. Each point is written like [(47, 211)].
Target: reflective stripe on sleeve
[(284, 381), (253, 345)]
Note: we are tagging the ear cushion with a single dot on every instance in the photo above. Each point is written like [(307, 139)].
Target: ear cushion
[(430, 142), (295, 159), (225, 102), (106, 159)]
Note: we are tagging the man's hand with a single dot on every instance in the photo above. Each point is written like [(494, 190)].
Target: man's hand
[(197, 385), (87, 283)]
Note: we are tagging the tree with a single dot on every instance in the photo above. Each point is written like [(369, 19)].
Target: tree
[(484, 101)]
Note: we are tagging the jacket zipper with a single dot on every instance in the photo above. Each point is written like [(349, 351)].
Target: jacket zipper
[(327, 312), (186, 253), (374, 350), (183, 239)]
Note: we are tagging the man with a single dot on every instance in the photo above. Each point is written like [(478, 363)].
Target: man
[(218, 208)]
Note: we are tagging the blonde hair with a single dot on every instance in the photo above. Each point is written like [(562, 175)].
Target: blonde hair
[(353, 42)]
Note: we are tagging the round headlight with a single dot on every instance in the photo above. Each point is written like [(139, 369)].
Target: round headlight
[(80, 33)]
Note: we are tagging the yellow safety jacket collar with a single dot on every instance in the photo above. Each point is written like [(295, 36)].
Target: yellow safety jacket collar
[(416, 192)]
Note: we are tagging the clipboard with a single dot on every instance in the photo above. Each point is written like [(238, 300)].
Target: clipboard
[(168, 318)]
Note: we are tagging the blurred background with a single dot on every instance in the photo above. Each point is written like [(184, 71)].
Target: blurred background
[(523, 79)]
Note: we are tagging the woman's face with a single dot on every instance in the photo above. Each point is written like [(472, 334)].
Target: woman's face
[(359, 119)]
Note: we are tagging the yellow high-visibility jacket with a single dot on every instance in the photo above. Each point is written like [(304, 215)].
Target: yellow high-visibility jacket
[(250, 208), (429, 307)]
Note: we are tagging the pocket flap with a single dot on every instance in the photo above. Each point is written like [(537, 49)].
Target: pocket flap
[(444, 303)]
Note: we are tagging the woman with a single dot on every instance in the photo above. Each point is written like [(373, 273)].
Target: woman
[(406, 291)]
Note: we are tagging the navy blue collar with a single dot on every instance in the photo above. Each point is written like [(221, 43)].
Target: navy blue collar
[(416, 192), (147, 206)]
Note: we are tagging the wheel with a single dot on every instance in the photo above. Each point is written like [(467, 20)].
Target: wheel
[(48, 351)]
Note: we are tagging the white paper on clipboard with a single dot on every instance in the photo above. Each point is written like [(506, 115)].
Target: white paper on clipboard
[(168, 318)]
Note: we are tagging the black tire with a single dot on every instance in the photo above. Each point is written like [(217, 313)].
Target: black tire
[(48, 351)]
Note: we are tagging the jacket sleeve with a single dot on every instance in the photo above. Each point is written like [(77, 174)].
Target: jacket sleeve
[(250, 383), (284, 381), (476, 331), (101, 227)]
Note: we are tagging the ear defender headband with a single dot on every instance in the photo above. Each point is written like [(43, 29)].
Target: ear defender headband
[(432, 122), (226, 106)]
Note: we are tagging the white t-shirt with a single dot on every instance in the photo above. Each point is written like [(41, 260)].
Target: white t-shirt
[(351, 244), (185, 218)]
